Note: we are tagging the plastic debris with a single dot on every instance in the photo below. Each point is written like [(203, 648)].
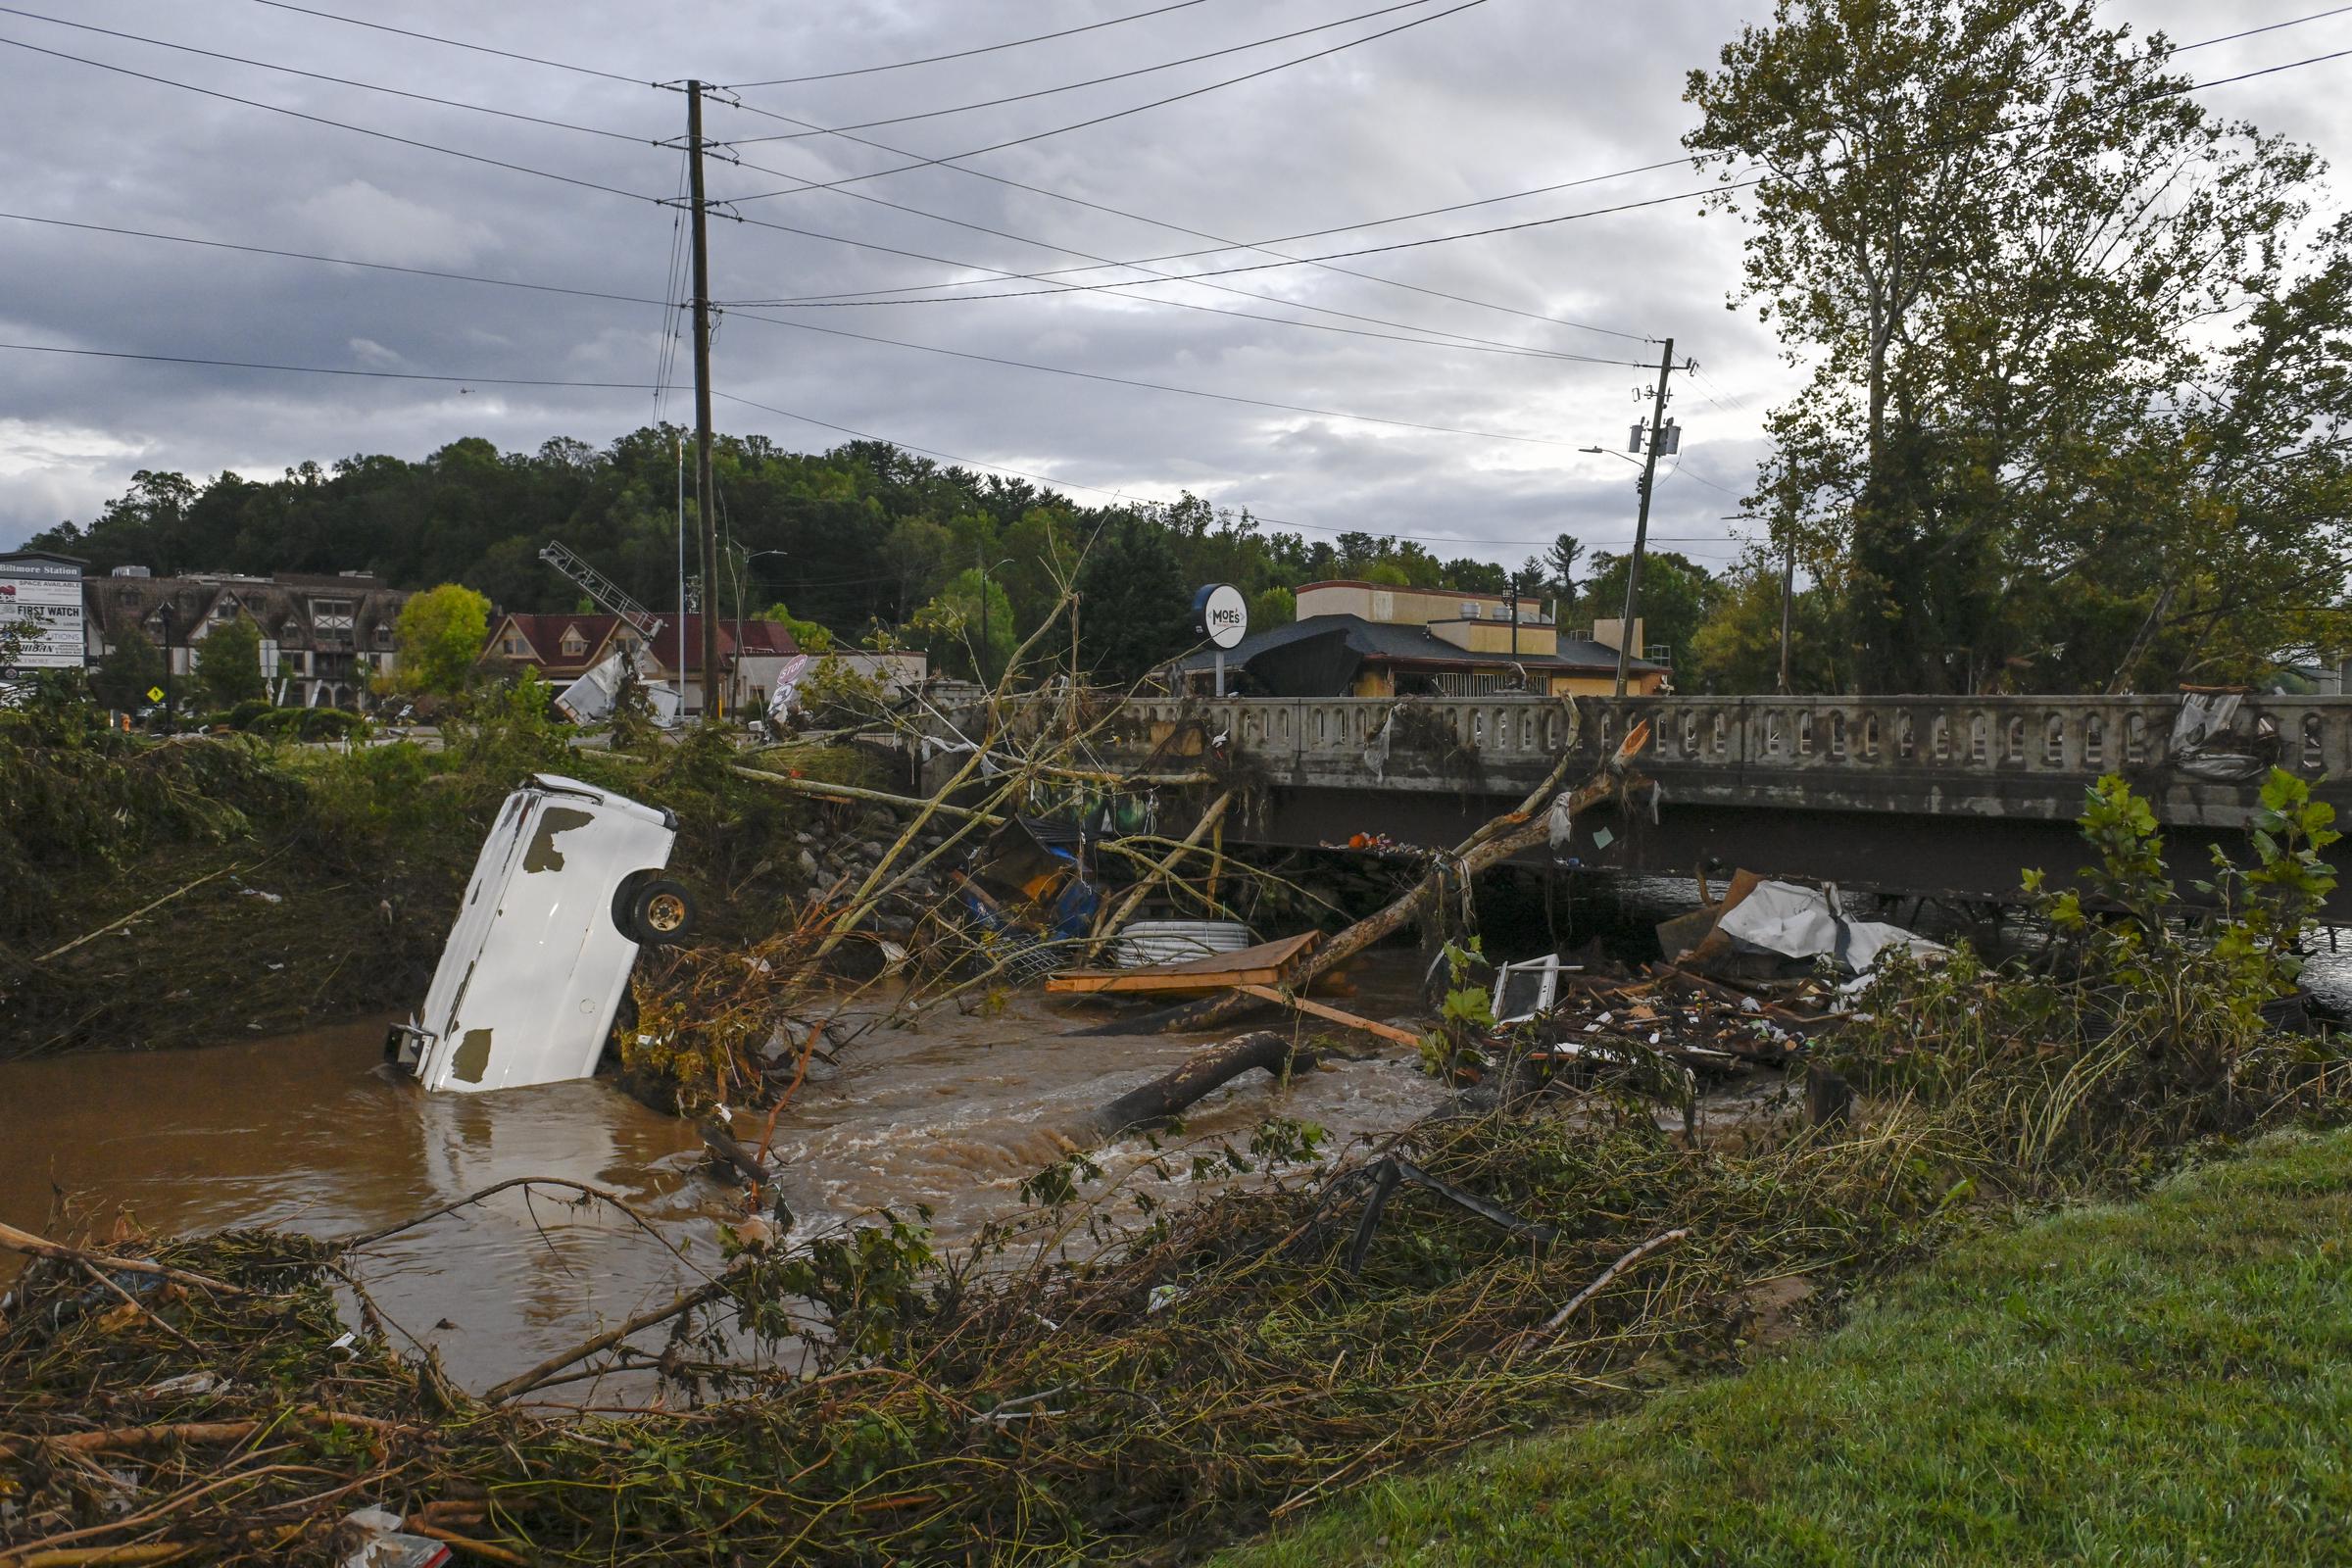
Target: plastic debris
[(382, 1543)]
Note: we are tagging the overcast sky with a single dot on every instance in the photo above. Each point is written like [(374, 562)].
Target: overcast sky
[(1498, 97)]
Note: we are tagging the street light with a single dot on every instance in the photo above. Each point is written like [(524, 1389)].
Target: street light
[(1633, 566), (748, 556)]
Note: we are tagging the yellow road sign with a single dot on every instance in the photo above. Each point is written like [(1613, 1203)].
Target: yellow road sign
[(154, 694)]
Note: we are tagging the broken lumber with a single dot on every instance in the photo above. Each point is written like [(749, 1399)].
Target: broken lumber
[(1324, 1011), (1492, 843)]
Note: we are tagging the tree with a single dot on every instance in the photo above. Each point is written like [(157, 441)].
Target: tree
[(438, 638), (951, 628), (1271, 608), (1560, 565), (1136, 603), (806, 635), (1737, 648), (132, 669), (229, 661), (1676, 595), (2051, 305)]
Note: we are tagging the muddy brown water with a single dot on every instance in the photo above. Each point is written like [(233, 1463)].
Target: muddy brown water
[(303, 1132)]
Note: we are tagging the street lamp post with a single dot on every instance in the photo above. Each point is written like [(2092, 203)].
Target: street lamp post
[(750, 556)]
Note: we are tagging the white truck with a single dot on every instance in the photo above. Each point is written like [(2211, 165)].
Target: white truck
[(567, 889)]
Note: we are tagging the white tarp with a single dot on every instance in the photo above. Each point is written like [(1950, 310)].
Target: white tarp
[(1802, 923), (589, 698)]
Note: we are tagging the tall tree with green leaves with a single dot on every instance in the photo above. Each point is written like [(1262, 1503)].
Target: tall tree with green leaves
[(2076, 375), (130, 669), (1135, 605), (440, 634), (1677, 594), (965, 633), (229, 661)]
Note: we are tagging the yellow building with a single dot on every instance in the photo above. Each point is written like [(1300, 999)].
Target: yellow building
[(1362, 639)]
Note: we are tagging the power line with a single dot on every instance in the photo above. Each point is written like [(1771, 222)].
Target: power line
[(333, 261), (452, 152), (964, 54), (672, 302), (1154, 387), (1144, 263), (322, 369), (1121, 114), (455, 43), (1720, 187), (1124, 495), (321, 120), (340, 81), (1091, 81), (1434, 340), (1102, 261)]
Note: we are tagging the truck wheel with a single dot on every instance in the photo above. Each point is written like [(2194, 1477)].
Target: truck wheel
[(653, 911)]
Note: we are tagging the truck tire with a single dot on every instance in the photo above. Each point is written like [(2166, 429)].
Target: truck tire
[(653, 911)]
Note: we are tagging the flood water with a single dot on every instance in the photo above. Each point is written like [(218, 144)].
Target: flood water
[(303, 1132)]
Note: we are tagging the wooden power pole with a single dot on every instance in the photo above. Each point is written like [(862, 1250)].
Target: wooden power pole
[(1650, 474), (704, 512)]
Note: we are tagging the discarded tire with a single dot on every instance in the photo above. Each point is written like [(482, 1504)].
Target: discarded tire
[(653, 911)]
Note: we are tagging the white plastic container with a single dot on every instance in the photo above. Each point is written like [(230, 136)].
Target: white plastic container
[(566, 891), (1177, 941)]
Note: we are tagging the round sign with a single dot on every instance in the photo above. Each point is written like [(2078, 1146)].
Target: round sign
[(1221, 614)]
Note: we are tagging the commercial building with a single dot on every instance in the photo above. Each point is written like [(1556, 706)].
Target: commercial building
[(324, 636), (1362, 639)]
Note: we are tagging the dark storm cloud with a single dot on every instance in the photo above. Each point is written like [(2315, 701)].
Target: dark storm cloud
[(1506, 95)]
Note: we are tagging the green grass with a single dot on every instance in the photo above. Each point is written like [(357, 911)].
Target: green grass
[(2164, 1381)]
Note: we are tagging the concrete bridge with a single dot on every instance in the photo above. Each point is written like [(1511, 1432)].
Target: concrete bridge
[(1954, 796)]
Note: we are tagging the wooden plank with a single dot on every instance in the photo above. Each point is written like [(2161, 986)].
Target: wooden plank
[(1156, 980), (1267, 963), (1319, 1010)]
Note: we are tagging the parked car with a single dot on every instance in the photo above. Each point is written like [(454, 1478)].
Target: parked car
[(566, 891)]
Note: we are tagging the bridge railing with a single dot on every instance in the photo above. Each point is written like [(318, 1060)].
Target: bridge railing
[(1954, 735)]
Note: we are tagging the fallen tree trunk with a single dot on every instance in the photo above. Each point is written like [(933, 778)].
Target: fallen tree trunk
[(1491, 845), (1202, 1071)]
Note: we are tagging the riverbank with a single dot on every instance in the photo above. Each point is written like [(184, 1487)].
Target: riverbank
[(2165, 1379), (184, 891)]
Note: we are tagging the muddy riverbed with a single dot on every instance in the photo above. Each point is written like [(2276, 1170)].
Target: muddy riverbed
[(303, 1132)]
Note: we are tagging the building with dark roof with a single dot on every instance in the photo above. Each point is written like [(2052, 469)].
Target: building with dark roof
[(1361, 639), (325, 637), (564, 647)]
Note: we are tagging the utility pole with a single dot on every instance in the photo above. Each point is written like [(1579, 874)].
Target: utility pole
[(1787, 603), (1514, 617), (702, 487), (1650, 474)]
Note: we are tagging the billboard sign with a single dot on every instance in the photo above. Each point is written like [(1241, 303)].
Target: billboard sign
[(48, 611)]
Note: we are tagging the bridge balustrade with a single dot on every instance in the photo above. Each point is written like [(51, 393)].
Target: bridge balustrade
[(1952, 744)]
